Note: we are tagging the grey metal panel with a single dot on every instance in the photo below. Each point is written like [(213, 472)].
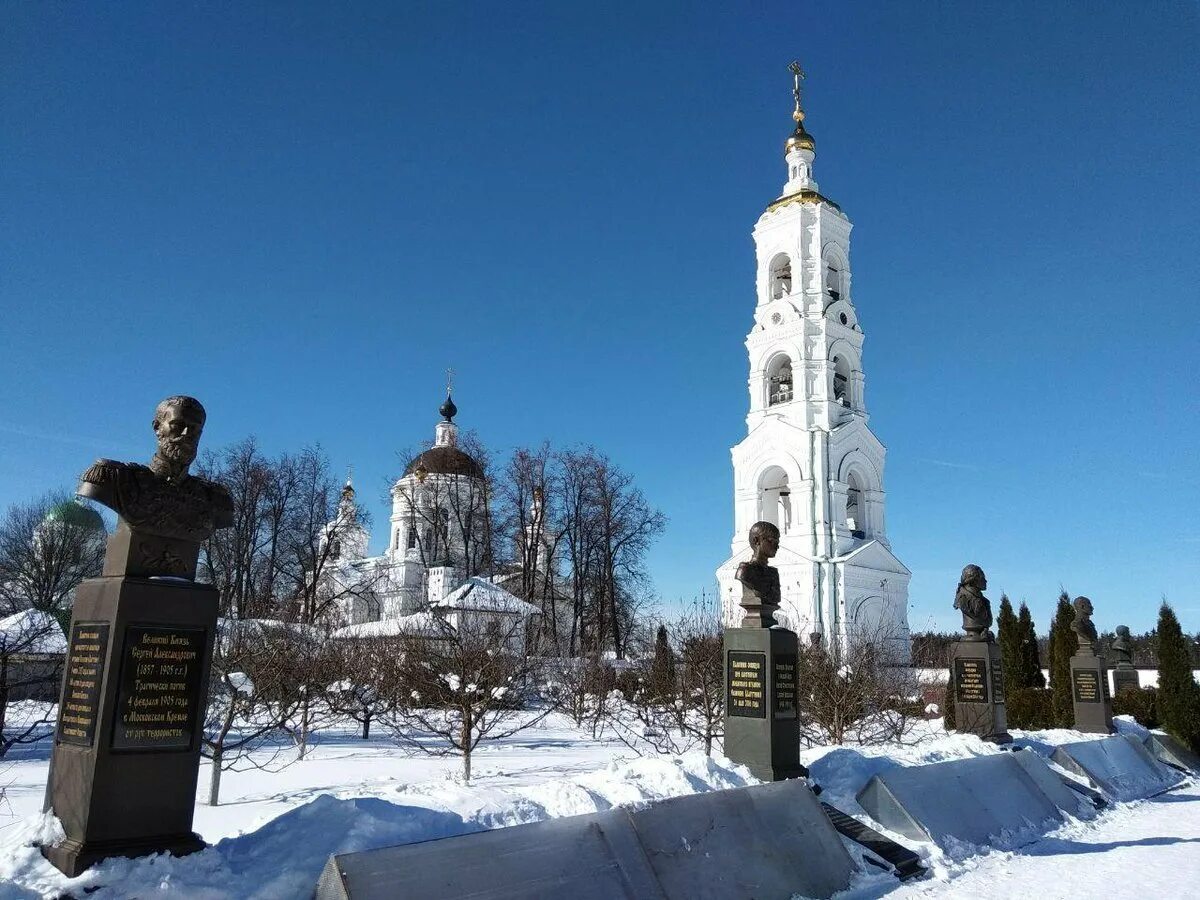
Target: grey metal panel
[(1168, 750), (763, 841), (1120, 766), (581, 857), (1052, 785), (771, 840), (974, 800)]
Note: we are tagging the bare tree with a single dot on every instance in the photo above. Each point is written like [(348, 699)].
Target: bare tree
[(853, 692), (254, 692), (465, 685), (369, 679), (47, 547), (243, 562), (701, 642), (582, 687)]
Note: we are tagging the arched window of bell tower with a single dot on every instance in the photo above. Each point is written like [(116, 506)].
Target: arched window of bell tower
[(779, 380), (835, 282), (842, 384), (856, 518), (780, 276), (775, 499)]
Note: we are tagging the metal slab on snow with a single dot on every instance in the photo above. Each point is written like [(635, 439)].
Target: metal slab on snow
[(1119, 766), (983, 800), (1167, 749)]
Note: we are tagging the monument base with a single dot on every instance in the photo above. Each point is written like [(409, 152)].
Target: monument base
[(1089, 691), (74, 858), (126, 753), (1124, 677), (762, 725), (978, 673)]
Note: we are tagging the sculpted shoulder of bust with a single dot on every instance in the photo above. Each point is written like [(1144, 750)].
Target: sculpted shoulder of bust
[(1082, 624), (164, 512)]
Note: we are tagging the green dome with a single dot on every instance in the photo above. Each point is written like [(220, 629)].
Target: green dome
[(75, 513)]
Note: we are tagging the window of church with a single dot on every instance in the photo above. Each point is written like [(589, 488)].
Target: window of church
[(833, 281), (855, 511), (779, 381), (775, 499), (780, 276), (335, 549), (841, 381), (412, 539)]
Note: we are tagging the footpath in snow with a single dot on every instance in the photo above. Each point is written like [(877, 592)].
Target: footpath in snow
[(276, 829)]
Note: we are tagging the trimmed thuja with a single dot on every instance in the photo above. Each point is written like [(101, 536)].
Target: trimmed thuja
[(1064, 644), (1178, 700), (1010, 642)]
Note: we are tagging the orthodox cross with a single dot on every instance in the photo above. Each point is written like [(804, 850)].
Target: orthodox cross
[(797, 77), (449, 381)]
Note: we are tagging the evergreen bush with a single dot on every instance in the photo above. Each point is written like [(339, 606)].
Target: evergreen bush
[(1178, 694), (1009, 640), (1141, 703), (1063, 645), (1030, 662), (1030, 708)]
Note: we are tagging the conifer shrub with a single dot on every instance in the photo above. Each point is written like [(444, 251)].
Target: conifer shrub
[(1009, 639), (1030, 708), (1029, 660), (948, 719), (1141, 703), (662, 669), (1178, 698), (1063, 645)]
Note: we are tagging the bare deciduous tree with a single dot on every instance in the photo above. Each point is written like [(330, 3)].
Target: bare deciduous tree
[(465, 685), (853, 693)]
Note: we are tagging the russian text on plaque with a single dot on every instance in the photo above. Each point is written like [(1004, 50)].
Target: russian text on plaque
[(81, 690), (747, 680), (160, 688)]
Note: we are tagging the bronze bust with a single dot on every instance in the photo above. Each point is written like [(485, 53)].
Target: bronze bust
[(164, 513), (760, 581), (1123, 647), (976, 609), (1083, 627)]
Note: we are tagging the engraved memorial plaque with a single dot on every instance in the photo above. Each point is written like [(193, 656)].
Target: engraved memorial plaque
[(970, 681), (81, 693), (160, 688), (1087, 685), (785, 686), (746, 677), (1124, 678), (997, 680)]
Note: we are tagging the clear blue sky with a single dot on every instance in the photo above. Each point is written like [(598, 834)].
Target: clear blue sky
[(302, 213)]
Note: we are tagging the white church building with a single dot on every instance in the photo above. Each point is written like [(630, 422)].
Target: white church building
[(810, 463), (435, 528)]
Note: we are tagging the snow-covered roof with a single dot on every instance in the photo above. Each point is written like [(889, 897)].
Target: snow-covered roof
[(32, 631), (480, 595), (421, 623)]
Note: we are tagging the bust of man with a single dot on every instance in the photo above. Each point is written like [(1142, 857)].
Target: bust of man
[(164, 513), (1083, 627), (760, 581), (1123, 647), (976, 609)]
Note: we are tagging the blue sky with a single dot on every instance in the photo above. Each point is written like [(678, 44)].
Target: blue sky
[(304, 213)]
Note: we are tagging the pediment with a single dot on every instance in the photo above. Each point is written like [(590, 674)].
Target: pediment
[(874, 555)]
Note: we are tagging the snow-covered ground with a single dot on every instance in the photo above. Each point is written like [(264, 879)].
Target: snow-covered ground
[(275, 829)]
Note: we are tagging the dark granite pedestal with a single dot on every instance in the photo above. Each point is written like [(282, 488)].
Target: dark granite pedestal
[(1089, 691), (978, 673), (1124, 676), (127, 746), (762, 727)]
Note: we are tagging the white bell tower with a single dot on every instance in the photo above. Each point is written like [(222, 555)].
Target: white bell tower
[(809, 463)]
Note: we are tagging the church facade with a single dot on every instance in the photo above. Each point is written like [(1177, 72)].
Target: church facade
[(436, 538), (810, 463)]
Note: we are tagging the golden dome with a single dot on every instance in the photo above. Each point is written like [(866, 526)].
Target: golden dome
[(799, 139)]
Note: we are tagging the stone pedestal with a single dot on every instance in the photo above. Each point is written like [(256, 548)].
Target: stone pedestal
[(1124, 676), (762, 725), (127, 744), (1089, 691), (978, 674)]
